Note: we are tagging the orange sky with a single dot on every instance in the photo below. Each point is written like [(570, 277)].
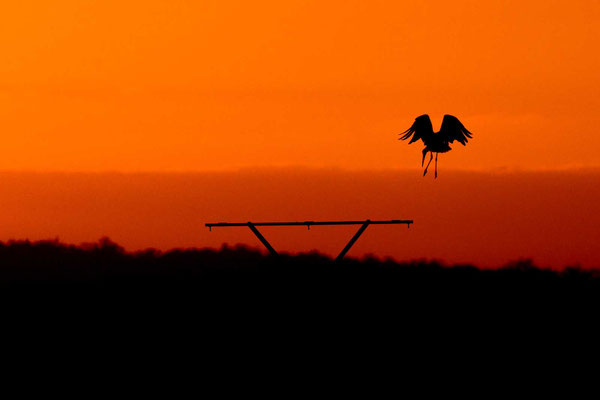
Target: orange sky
[(211, 85), (319, 86)]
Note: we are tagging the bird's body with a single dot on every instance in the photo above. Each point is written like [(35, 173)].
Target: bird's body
[(436, 142)]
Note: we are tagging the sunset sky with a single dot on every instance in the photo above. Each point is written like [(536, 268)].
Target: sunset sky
[(212, 85), (218, 86)]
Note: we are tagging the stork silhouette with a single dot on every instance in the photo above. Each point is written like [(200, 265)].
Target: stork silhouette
[(452, 129)]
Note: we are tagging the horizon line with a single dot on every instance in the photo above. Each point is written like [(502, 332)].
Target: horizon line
[(286, 168)]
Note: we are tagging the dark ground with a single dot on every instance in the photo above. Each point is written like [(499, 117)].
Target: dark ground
[(240, 277), (235, 309)]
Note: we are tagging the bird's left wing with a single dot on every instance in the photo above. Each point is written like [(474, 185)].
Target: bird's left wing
[(420, 129), (452, 129)]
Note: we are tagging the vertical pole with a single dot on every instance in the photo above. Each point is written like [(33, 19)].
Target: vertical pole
[(353, 240), (262, 239)]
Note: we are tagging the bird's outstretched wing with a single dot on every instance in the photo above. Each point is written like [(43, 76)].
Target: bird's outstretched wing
[(452, 129), (421, 128)]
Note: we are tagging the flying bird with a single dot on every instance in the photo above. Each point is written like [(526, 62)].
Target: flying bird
[(438, 142)]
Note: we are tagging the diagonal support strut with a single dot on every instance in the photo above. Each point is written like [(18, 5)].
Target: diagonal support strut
[(262, 239), (353, 240)]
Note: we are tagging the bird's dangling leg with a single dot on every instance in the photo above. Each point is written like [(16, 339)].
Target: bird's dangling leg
[(436, 154), (424, 155), (428, 164)]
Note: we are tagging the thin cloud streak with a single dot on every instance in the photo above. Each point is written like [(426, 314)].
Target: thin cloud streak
[(479, 217)]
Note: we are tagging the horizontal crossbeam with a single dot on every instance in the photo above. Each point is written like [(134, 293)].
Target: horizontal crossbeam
[(308, 223)]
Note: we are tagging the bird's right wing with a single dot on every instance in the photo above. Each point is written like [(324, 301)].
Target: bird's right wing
[(452, 129), (420, 129)]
